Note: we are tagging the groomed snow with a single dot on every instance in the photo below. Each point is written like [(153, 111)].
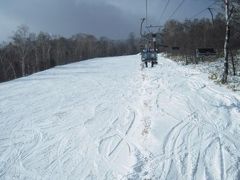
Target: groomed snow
[(106, 118)]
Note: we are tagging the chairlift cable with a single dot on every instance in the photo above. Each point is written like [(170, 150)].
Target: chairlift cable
[(164, 10), (200, 12), (178, 7), (196, 15)]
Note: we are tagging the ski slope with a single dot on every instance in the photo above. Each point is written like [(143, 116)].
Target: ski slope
[(106, 119)]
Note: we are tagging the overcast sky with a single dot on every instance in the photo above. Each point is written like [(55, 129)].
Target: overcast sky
[(110, 18)]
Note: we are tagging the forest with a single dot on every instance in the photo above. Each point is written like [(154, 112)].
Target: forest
[(28, 53), (199, 33)]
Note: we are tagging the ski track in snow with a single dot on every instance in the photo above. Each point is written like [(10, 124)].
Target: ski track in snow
[(108, 119)]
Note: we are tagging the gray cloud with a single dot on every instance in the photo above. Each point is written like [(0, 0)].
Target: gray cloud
[(111, 18)]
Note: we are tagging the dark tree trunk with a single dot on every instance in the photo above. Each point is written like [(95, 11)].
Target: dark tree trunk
[(233, 64), (23, 67), (13, 70)]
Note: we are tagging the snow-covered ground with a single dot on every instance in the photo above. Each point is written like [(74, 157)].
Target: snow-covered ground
[(215, 70), (108, 119)]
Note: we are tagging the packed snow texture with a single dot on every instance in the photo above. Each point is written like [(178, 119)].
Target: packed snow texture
[(216, 68), (108, 119)]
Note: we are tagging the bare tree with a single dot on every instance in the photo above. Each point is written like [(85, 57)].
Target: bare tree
[(228, 15), (3, 67), (7, 69), (42, 47), (21, 42)]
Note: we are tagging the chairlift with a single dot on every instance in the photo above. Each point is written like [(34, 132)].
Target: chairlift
[(201, 52), (175, 48), (163, 45), (149, 46), (205, 53)]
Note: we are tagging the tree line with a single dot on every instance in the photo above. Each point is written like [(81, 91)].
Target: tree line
[(189, 35), (28, 52)]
